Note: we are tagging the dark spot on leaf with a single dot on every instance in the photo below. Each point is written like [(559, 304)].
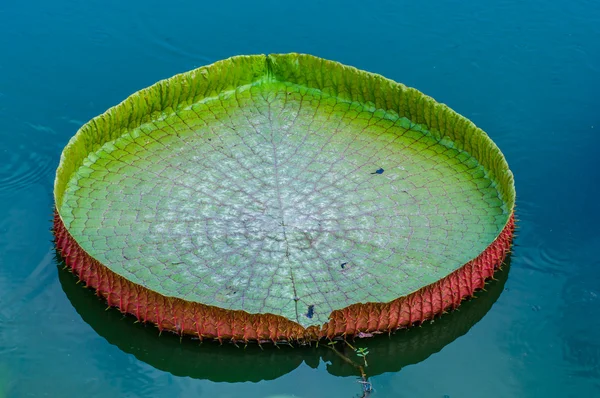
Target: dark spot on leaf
[(126, 258), (296, 298), (378, 171), (311, 311), (343, 265)]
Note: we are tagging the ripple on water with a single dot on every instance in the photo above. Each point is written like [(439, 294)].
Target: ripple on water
[(22, 167), (532, 243), (580, 313)]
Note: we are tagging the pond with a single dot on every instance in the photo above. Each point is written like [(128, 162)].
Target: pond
[(528, 73)]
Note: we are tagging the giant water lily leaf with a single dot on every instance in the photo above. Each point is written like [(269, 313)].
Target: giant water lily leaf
[(283, 184)]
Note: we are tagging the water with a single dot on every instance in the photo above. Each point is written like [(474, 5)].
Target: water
[(526, 72)]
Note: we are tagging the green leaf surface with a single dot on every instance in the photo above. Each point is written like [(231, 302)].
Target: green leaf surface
[(283, 184)]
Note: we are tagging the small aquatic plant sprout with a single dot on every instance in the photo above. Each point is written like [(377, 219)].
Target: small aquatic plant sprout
[(362, 352), (282, 198)]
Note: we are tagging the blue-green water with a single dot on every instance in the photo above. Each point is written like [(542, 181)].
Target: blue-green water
[(527, 72)]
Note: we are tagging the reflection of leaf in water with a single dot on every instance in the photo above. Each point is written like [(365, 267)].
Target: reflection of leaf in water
[(411, 346), (228, 363), (185, 357)]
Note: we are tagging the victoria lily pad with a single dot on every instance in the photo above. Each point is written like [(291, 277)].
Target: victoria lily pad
[(282, 198)]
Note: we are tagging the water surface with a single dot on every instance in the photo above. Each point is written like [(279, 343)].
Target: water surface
[(526, 72)]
